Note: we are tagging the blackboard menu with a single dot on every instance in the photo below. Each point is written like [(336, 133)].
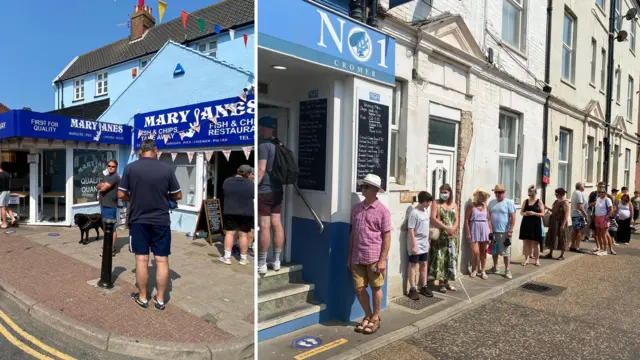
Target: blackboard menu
[(373, 141), (209, 219), (312, 144)]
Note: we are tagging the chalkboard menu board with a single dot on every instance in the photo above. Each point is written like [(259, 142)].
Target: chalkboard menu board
[(209, 219), (312, 144), (373, 141)]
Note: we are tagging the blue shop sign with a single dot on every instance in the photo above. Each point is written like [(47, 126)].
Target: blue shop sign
[(8, 124), (225, 122), (304, 30)]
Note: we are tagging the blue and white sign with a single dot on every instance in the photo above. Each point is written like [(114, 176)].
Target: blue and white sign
[(223, 122), (29, 124), (319, 35), (307, 342)]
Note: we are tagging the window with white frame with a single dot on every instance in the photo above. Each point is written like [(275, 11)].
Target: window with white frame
[(627, 167), (396, 117), (603, 69), (618, 11), (632, 35), (588, 159), (508, 125), (600, 3), (185, 171), (568, 46), (599, 166), (78, 89), (144, 62), (594, 57), (210, 48), (102, 83), (630, 95), (564, 159), (514, 23), (618, 76)]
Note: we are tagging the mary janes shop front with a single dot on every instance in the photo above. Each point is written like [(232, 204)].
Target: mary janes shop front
[(205, 143), (55, 163)]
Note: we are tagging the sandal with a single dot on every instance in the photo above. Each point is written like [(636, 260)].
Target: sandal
[(450, 287), (372, 327), (362, 325), (548, 256), (484, 276), (613, 252), (525, 263), (560, 258), (473, 274)]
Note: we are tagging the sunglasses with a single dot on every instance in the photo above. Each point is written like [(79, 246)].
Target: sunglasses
[(499, 192), (366, 187), (601, 192), (111, 166)]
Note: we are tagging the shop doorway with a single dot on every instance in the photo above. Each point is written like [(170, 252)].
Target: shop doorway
[(443, 136), (16, 164), (51, 187), (225, 169)]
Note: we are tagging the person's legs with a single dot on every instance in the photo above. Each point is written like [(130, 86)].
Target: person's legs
[(536, 251), (142, 276), (265, 202), (423, 274), (139, 244), (161, 247), (574, 234), (243, 242), (229, 240), (376, 293), (495, 262), (278, 238), (526, 244), (360, 278), (412, 271), (3, 212), (475, 249), (483, 256), (162, 276)]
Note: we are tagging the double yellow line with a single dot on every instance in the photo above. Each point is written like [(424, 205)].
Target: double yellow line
[(24, 347)]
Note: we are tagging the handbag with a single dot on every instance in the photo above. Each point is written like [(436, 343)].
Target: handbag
[(547, 220), (434, 232)]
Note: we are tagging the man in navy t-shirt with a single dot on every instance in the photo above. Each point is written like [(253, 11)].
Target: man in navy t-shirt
[(147, 185)]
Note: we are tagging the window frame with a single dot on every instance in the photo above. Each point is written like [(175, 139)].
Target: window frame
[(145, 59), (517, 118), (627, 166), (589, 154), (566, 162), (521, 8), (618, 15), (207, 48), (601, 6), (630, 95), (78, 84), (618, 78), (395, 124), (632, 36), (571, 48), (603, 69), (594, 60), (102, 83)]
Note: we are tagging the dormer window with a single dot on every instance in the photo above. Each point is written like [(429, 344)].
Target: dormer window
[(102, 86), (210, 48), (78, 89), (144, 62)]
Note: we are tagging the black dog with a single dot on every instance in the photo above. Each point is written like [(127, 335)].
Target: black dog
[(87, 222)]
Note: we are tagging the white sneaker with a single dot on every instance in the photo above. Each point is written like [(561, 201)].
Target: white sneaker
[(262, 269), (615, 243), (508, 275), (225, 260), (602, 253), (275, 265), (243, 261)]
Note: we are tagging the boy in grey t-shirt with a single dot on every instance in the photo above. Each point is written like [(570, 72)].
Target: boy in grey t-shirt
[(418, 245)]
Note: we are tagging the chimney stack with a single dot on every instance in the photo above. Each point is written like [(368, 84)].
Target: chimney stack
[(141, 21)]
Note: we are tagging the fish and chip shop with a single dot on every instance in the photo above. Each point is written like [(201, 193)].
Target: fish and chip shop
[(55, 163), (205, 143)]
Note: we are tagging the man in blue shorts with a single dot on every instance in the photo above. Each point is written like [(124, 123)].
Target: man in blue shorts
[(108, 189), (147, 185)]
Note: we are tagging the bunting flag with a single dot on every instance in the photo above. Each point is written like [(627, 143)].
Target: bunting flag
[(159, 154), (232, 34), (173, 156), (226, 153), (190, 155), (243, 96), (209, 155), (246, 38), (201, 25), (140, 5), (162, 7), (216, 28), (139, 134), (184, 18), (166, 138), (247, 151)]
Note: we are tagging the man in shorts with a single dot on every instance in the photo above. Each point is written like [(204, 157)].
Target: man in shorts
[(503, 220), (593, 196), (418, 245), (578, 217), (108, 189), (148, 185), (237, 213), (5, 195), (270, 195)]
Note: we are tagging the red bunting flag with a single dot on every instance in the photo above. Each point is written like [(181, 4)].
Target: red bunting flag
[(246, 38), (184, 18), (140, 5)]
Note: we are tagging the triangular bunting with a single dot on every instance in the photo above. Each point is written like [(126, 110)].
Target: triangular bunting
[(162, 6), (184, 18), (166, 138), (190, 155), (246, 38), (208, 155), (243, 96), (226, 153), (159, 154), (216, 28), (247, 151), (201, 25), (173, 156), (232, 34)]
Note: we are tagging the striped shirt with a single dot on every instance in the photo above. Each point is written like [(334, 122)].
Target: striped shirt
[(369, 224)]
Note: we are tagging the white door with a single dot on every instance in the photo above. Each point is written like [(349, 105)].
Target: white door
[(280, 115), (441, 170)]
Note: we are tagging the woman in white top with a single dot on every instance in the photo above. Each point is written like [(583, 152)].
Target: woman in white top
[(625, 220), (603, 212)]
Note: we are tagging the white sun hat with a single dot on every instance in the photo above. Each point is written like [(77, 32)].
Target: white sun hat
[(373, 180)]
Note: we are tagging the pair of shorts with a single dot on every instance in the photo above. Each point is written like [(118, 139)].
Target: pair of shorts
[(578, 223), (414, 259), (4, 198), (602, 222), (143, 237), (269, 203), (110, 213), (498, 245), (237, 223), (364, 275)]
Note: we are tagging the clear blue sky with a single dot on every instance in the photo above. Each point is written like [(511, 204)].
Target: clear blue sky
[(38, 38)]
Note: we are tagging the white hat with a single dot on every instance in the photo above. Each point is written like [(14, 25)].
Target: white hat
[(373, 180)]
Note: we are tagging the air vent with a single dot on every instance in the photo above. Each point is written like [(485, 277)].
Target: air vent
[(263, 88)]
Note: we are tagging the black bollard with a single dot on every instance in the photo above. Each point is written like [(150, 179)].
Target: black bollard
[(107, 249)]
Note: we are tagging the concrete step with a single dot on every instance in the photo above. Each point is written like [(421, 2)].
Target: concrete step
[(284, 297), (288, 274), (268, 320)]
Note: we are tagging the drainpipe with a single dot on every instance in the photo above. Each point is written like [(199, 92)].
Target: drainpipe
[(547, 89), (607, 115), (372, 20)]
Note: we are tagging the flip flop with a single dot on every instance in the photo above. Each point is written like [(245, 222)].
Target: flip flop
[(473, 274)]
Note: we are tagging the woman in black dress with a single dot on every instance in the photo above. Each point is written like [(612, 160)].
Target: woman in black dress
[(531, 228)]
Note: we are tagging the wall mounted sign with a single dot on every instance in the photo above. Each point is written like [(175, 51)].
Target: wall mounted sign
[(312, 144), (35, 125), (546, 171), (408, 197), (321, 36), (178, 71), (223, 122), (372, 139)]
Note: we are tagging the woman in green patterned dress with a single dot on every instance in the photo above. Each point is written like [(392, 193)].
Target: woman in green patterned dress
[(443, 252)]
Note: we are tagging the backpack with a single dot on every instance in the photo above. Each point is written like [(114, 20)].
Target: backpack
[(285, 168)]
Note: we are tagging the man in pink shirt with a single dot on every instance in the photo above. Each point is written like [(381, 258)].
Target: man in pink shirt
[(369, 244)]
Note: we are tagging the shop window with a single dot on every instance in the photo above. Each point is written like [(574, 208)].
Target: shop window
[(185, 171), (88, 166), (509, 164), (627, 167), (564, 159), (588, 159), (78, 89), (513, 23), (102, 83)]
